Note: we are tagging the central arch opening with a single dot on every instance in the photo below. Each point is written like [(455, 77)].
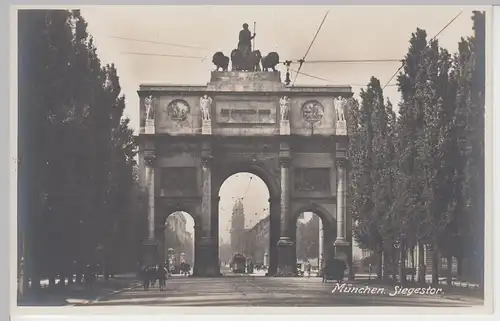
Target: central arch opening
[(244, 225)]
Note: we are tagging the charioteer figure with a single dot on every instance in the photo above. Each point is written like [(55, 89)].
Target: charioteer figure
[(245, 41)]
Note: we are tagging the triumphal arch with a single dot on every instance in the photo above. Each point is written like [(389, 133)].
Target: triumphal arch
[(246, 120)]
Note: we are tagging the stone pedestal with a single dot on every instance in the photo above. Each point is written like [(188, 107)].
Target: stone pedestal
[(342, 249), (206, 127), (340, 128), (150, 252), (207, 263), (285, 257), (285, 127), (150, 126)]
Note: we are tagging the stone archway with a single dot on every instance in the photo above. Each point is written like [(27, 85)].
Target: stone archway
[(327, 224), (164, 209), (294, 138), (185, 241), (223, 173)]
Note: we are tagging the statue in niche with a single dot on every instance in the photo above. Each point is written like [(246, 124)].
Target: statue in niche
[(284, 108), (205, 103), (339, 108), (148, 104)]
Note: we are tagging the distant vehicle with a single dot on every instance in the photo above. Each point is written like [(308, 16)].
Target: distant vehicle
[(300, 271), (334, 270), (315, 271), (238, 264)]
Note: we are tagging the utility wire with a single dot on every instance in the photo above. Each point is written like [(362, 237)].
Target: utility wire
[(433, 38), (161, 55), (312, 42), (159, 43), (331, 82), (345, 61), (248, 186)]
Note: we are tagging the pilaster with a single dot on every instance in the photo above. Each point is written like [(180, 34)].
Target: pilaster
[(285, 244), (208, 262), (274, 234), (341, 199), (150, 246), (343, 248)]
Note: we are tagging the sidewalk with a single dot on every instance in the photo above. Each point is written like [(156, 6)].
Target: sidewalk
[(457, 291), (78, 294)]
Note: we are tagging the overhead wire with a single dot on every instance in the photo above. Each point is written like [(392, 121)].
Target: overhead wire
[(329, 81), (310, 46), (433, 38), (248, 186), (161, 55), (342, 61), (158, 42)]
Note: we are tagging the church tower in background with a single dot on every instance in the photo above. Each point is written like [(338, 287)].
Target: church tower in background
[(237, 227)]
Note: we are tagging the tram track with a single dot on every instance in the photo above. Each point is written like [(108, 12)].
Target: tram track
[(239, 290), (274, 294)]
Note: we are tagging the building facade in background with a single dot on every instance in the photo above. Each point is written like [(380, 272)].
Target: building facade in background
[(178, 238), (257, 241)]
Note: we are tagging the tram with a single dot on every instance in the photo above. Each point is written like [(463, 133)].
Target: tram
[(238, 264)]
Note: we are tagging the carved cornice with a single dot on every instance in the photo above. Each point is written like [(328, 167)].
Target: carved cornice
[(206, 160), (285, 155), (341, 163), (310, 199), (149, 157), (285, 162)]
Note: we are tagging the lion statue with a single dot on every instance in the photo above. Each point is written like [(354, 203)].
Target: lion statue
[(270, 61), (220, 61)]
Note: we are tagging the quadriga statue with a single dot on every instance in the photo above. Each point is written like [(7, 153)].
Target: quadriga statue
[(236, 60), (241, 63)]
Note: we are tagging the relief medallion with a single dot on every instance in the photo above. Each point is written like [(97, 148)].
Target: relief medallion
[(312, 111)]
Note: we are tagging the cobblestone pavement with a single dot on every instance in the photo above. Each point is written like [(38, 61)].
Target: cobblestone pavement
[(259, 291)]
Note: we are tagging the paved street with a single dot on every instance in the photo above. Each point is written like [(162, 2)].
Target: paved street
[(245, 290)]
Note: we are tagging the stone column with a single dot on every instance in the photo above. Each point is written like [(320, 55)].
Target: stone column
[(341, 195), (285, 243), (150, 253), (160, 235), (342, 246), (274, 234), (151, 200), (209, 259), (320, 241), (215, 231)]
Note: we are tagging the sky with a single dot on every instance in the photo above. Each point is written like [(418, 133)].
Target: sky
[(348, 33)]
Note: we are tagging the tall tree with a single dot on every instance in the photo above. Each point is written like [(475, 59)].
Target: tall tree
[(409, 205), (366, 231), (468, 78), (76, 151)]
